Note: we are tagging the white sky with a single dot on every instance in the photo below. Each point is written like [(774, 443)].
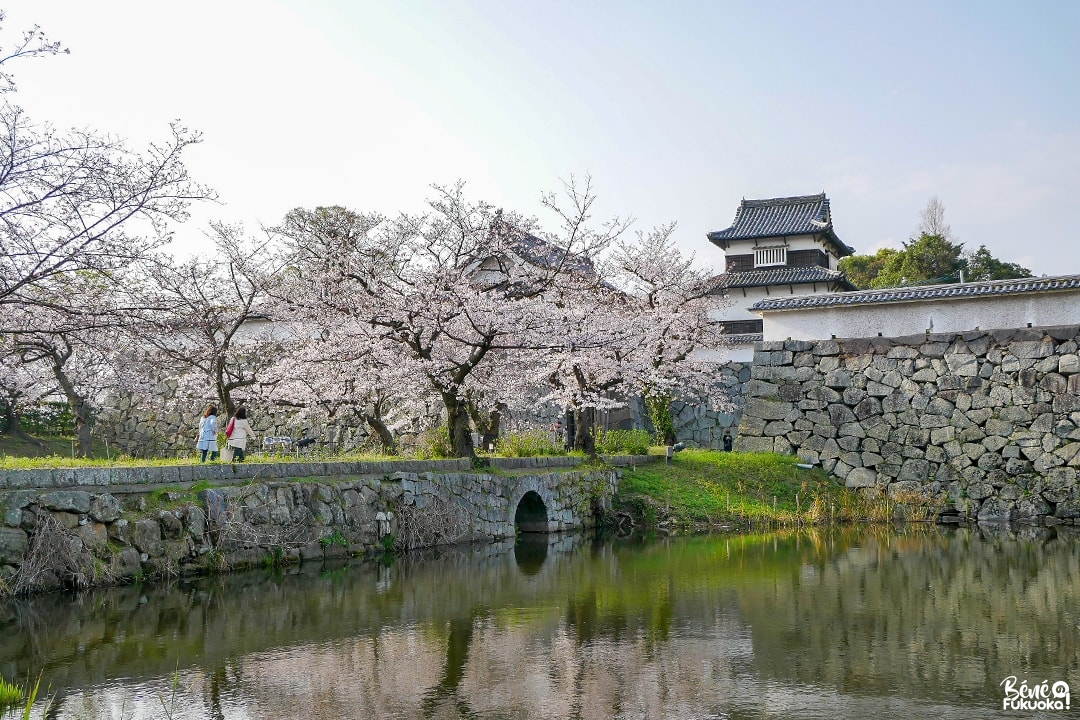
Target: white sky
[(677, 109)]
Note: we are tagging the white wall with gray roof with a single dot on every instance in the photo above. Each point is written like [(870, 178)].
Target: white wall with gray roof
[(895, 312)]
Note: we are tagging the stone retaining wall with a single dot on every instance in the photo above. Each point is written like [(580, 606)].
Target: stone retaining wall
[(699, 426), (92, 532), (227, 473), (984, 424)]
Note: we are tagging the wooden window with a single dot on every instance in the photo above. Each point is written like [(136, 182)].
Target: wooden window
[(738, 263), (807, 258), (741, 327)]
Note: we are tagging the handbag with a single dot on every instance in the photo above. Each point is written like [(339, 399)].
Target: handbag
[(229, 428)]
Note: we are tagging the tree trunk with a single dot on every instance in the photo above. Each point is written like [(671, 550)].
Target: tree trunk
[(80, 408), (584, 419), (11, 419), (457, 420), (487, 424), (386, 438)]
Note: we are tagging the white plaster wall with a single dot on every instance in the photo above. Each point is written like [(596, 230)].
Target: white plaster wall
[(944, 315), (740, 304), (743, 352)]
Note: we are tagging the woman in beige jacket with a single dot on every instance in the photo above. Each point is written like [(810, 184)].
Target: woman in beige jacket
[(241, 431)]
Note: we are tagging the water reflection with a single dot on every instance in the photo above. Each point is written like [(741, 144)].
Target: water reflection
[(881, 622)]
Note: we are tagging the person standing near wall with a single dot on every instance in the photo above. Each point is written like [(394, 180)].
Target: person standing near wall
[(727, 441), (208, 434), (241, 431)]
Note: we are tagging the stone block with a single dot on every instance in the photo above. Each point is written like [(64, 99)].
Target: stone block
[(75, 501), (745, 443), (1068, 403), (939, 406), (838, 379), (13, 545), (1069, 364), (857, 363), (914, 469), (861, 477), (962, 365), (1054, 383), (903, 352), (773, 374), (851, 429), (871, 459), (777, 427), (892, 379), (826, 348), (105, 508), (760, 388), (903, 487), (1032, 349), (848, 443), (994, 510), (840, 414), (767, 409)]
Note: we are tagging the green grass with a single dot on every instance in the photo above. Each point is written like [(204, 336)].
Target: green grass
[(710, 487), (53, 453), (10, 693)]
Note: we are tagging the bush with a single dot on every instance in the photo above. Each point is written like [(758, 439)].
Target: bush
[(624, 442), (528, 443), (47, 418), (435, 444)]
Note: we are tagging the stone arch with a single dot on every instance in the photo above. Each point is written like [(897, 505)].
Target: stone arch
[(531, 514)]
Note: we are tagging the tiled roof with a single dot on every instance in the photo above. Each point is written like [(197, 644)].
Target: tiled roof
[(925, 292), (777, 217), (781, 276), (543, 254)]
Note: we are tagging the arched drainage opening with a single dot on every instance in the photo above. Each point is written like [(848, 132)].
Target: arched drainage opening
[(531, 515)]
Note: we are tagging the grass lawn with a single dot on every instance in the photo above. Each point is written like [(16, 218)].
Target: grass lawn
[(708, 487)]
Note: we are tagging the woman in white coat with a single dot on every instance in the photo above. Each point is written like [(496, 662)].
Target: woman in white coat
[(241, 431)]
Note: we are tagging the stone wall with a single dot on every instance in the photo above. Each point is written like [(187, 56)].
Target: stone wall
[(168, 427), (89, 531), (699, 426), (985, 424)]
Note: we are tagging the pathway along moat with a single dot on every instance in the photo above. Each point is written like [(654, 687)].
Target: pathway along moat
[(879, 622)]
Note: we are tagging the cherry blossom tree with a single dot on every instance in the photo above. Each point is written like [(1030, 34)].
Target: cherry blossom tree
[(212, 321), (78, 200), (333, 376), (72, 331), (448, 293), (643, 330), (680, 348)]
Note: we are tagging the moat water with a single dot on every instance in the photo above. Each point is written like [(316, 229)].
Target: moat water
[(879, 622)]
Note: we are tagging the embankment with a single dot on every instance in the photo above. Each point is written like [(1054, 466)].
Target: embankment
[(77, 528), (984, 424)]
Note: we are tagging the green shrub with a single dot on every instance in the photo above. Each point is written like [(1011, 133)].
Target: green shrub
[(624, 442), (334, 538), (435, 444), (528, 443), (46, 418)]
